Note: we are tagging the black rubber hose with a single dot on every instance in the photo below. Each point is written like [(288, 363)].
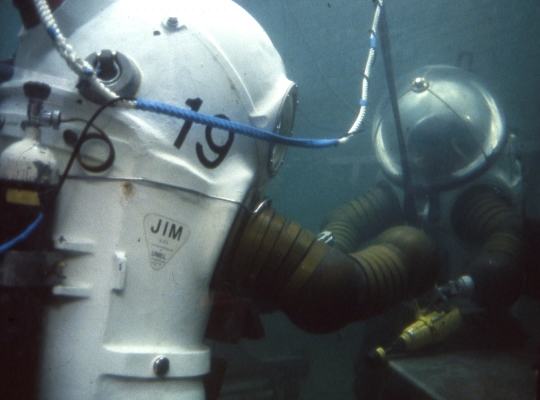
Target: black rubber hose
[(409, 203), (364, 217), (320, 288), (484, 216)]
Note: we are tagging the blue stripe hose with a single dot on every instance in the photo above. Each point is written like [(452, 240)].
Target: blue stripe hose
[(220, 123), (8, 245), (86, 72)]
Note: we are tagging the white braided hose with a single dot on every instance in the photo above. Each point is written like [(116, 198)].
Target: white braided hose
[(367, 71), (78, 65)]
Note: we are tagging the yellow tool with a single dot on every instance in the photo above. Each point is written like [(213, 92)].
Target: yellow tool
[(431, 326)]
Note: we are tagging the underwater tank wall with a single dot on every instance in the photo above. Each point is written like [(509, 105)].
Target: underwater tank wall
[(324, 45)]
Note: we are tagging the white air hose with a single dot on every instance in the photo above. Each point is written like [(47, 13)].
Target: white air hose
[(81, 67), (365, 82)]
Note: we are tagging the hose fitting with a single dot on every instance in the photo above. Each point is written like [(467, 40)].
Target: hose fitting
[(364, 217)]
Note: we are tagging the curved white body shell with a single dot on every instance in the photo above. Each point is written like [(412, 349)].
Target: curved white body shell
[(141, 239)]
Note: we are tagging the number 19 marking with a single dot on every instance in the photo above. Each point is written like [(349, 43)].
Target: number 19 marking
[(221, 151)]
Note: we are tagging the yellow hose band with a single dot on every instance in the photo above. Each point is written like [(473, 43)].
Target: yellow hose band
[(281, 248), (313, 258), (297, 252), (266, 246), (251, 237)]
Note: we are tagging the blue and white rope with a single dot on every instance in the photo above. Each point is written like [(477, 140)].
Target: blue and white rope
[(367, 71), (220, 123), (86, 72)]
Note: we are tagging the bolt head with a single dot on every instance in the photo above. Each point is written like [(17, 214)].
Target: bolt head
[(172, 22), (161, 366), (419, 84)]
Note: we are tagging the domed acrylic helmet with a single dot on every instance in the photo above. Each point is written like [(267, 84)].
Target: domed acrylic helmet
[(453, 129)]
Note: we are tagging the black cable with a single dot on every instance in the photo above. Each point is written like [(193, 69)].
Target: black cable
[(105, 164), (97, 128), (409, 206), (102, 136), (82, 139)]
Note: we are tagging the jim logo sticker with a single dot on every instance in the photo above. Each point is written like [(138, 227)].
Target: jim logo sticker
[(164, 237)]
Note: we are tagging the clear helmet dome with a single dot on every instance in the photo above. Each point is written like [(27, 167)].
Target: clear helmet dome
[(453, 128)]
